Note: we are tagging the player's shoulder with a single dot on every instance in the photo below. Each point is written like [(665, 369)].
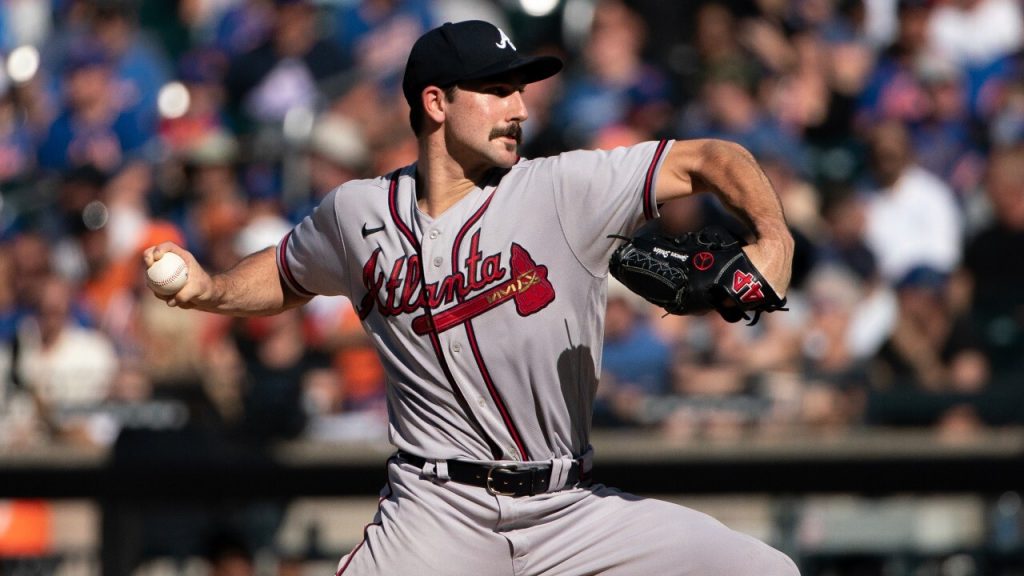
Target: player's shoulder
[(527, 164), (364, 187), (363, 191), (579, 157), (527, 167)]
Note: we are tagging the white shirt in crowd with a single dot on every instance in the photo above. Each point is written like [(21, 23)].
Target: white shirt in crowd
[(914, 222)]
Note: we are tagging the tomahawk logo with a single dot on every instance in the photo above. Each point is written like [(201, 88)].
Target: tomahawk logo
[(505, 42)]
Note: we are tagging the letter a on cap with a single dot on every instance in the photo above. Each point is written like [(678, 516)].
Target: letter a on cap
[(505, 42)]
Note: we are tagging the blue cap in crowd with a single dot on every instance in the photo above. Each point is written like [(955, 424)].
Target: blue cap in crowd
[(84, 55)]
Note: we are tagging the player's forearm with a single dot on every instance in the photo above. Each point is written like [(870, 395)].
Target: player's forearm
[(736, 178), (732, 174), (252, 287)]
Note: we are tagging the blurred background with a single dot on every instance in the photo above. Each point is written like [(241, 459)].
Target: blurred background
[(874, 429)]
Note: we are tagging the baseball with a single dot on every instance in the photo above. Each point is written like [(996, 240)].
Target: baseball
[(168, 274)]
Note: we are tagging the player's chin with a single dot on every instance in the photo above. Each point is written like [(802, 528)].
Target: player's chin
[(507, 155)]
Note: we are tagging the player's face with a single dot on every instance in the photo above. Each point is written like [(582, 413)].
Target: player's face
[(483, 126)]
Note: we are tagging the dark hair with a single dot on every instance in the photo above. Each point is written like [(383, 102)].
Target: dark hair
[(416, 111), (85, 175)]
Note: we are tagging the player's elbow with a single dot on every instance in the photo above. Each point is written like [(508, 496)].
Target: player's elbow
[(717, 152), (293, 299)]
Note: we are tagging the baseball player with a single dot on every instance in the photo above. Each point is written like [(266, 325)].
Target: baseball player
[(481, 279)]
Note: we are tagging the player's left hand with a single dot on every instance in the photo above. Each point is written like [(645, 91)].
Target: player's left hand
[(702, 271)]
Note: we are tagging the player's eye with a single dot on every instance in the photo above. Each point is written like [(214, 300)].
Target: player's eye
[(503, 90)]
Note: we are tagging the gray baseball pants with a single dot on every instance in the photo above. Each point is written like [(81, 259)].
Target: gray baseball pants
[(424, 526)]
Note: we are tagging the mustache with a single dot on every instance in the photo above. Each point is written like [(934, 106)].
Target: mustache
[(513, 130)]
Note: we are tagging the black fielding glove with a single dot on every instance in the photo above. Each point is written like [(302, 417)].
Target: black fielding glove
[(695, 273)]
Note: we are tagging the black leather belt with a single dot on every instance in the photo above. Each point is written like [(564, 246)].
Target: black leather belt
[(505, 479)]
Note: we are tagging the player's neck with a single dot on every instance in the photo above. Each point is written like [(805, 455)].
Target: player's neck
[(441, 182)]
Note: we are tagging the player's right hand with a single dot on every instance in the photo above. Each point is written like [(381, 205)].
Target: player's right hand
[(197, 288)]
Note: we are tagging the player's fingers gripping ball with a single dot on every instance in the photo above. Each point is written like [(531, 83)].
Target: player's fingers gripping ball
[(168, 274), (695, 273)]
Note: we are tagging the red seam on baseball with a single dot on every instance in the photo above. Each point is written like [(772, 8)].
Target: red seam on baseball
[(177, 272)]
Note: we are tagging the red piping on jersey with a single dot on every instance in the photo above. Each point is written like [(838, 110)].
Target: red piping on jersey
[(506, 416), (435, 341), (287, 270), (649, 180), (366, 528)]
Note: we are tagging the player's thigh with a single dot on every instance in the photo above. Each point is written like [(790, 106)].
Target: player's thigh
[(425, 528), (616, 533)]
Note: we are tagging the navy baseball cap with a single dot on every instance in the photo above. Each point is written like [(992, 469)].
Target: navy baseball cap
[(86, 54), (470, 50)]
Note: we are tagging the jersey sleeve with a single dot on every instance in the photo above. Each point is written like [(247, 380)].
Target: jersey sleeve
[(604, 192), (311, 257)]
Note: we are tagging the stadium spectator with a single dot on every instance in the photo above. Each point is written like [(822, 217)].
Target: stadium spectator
[(996, 300), (953, 29), (892, 90), (277, 361), (287, 70), (715, 394), (66, 367), (1000, 102), (94, 126), (943, 137), (833, 367), (636, 365), (614, 84), (911, 216), (716, 41), (377, 34), (337, 152), (201, 72), (728, 109), (140, 65), (17, 141), (931, 370), (242, 27), (930, 346)]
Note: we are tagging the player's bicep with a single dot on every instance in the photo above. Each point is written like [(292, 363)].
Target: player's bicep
[(677, 176)]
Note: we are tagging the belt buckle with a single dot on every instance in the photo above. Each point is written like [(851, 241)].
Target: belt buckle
[(490, 471)]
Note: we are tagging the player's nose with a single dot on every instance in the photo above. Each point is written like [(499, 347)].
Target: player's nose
[(517, 107)]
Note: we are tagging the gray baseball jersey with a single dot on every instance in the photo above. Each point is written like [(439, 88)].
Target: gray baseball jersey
[(488, 318), (489, 321)]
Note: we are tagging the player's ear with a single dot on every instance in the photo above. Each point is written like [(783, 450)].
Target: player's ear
[(434, 103)]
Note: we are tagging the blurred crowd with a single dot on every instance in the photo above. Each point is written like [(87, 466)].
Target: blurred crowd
[(893, 130)]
